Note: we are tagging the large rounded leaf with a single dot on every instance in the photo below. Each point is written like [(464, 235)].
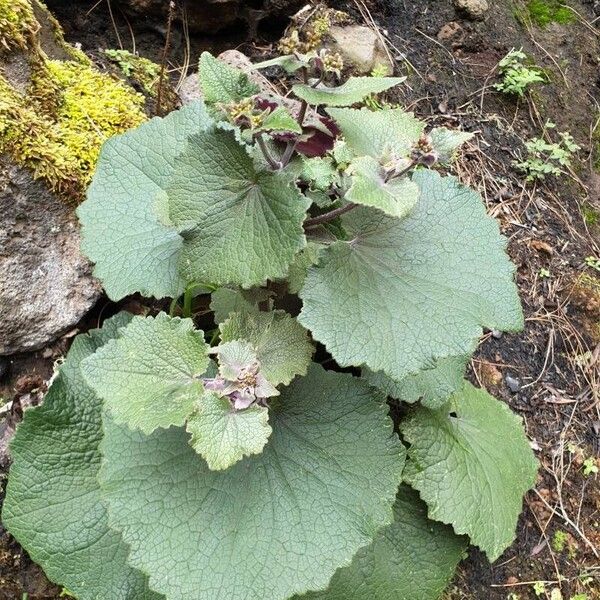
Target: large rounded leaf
[(471, 462), (241, 224), (400, 293), (272, 525), (411, 559), (53, 504), (124, 218)]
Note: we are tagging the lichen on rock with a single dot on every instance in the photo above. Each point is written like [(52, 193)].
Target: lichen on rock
[(56, 125)]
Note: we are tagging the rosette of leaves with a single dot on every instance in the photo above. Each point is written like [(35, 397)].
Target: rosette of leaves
[(229, 463)]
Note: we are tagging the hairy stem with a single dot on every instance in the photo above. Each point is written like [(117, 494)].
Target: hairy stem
[(328, 216), (188, 297), (274, 164), (287, 155)]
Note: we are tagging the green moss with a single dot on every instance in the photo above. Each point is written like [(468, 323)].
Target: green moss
[(141, 70), (17, 24), (544, 12), (70, 108), (58, 132)]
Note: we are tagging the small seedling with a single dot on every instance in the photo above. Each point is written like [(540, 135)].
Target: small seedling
[(593, 262), (543, 273), (559, 541), (539, 588), (590, 467), (518, 74), (547, 157)]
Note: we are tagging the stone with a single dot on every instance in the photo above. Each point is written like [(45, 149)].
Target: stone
[(473, 9), (360, 47), (450, 31), (46, 285), (514, 385)]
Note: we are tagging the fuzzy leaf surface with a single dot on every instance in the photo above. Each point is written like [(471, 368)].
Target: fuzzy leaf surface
[(280, 120), (282, 345), (222, 83), (382, 133), (411, 559), (123, 227), (352, 91), (148, 376), (53, 505), (471, 469), (446, 141), (227, 300), (272, 525), (433, 385), (241, 225), (401, 293), (223, 435), (396, 197)]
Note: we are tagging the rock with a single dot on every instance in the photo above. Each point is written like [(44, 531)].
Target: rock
[(473, 9), (514, 385), (450, 31), (360, 47), (189, 90), (46, 285), (212, 16)]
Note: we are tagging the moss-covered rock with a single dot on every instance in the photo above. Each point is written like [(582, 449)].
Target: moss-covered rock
[(55, 119)]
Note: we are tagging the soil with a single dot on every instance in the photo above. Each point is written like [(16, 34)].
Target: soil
[(550, 372)]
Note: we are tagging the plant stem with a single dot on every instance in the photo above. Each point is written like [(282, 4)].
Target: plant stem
[(188, 297), (173, 307), (274, 164), (163, 60), (328, 216), (287, 155)]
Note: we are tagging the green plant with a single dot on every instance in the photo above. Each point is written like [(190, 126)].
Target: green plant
[(544, 12), (547, 157), (142, 70), (593, 262), (590, 466), (559, 541), (231, 464), (544, 273), (539, 588), (518, 74)]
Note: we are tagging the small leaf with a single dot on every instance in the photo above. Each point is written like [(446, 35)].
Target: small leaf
[(445, 142), (223, 435), (432, 385), (241, 225), (403, 292), (148, 377), (396, 197), (282, 345), (352, 91), (387, 133), (319, 173), (277, 523), (280, 120), (53, 505), (411, 559), (227, 300), (289, 63), (471, 463), (222, 83), (124, 226), (302, 262)]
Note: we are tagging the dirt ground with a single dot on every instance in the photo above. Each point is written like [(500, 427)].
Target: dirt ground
[(550, 372)]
